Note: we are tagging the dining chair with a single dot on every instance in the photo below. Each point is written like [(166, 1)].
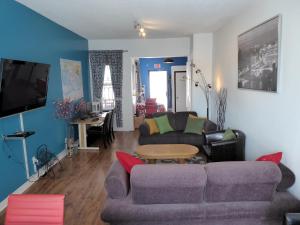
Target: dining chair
[(111, 126), (102, 131)]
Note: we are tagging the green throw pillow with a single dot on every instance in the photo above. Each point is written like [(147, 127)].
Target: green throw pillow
[(194, 125), (163, 124), (229, 135)]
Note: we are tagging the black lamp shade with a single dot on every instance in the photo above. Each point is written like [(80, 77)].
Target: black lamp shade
[(168, 60)]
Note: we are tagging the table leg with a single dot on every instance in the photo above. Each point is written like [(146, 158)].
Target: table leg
[(152, 161), (82, 136), (181, 161)]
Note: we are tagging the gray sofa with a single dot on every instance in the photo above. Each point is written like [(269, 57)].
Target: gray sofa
[(223, 193), (178, 122)]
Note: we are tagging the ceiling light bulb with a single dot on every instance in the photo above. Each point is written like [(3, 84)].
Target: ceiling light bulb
[(142, 30), (143, 34)]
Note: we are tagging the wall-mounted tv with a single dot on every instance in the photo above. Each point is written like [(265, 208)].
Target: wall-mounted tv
[(23, 86)]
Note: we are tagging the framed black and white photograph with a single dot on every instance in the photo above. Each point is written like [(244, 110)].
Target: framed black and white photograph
[(258, 56)]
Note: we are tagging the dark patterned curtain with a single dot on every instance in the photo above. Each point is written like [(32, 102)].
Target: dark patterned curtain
[(116, 67), (138, 83), (113, 58), (97, 65)]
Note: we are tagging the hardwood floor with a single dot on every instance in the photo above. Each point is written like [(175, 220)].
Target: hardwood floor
[(82, 181)]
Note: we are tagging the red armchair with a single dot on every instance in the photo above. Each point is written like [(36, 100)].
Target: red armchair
[(35, 210)]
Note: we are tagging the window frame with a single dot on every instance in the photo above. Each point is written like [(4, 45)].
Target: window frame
[(107, 103)]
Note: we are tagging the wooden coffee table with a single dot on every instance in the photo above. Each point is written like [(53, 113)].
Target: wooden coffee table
[(178, 152)]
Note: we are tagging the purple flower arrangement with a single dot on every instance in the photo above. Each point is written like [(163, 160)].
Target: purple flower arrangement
[(67, 109)]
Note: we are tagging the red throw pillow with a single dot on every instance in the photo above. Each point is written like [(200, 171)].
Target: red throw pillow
[(128, 161), (275, 157)]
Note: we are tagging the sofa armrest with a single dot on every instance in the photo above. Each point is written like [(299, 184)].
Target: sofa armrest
[(212, 136), (144, 130), (223, 143), (117, 181), (209, 126)]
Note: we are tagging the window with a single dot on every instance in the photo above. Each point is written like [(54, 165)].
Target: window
[(108, 97)]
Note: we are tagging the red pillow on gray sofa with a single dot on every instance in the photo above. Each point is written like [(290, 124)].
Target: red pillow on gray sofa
[(275, 157), (128, 161)]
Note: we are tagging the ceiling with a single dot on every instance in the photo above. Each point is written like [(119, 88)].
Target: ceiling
[(114, 19)]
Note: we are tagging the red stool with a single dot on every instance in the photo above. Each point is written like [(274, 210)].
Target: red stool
[(35, 210)]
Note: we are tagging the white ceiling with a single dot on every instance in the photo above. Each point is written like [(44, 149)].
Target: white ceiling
[(110, 19)]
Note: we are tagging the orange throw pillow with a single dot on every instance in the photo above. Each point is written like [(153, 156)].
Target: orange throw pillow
[(152, 126)]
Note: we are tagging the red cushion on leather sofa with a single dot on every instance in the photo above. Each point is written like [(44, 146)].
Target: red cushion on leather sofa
[(275, 157), (128, 161), (35, 210)]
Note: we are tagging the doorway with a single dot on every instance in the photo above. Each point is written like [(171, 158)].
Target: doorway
[(158, 84), (180, 91)]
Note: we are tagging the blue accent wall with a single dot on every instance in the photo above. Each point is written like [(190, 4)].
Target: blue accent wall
[(147, 64), (26, 35)]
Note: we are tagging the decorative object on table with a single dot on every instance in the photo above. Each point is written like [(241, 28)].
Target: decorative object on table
[(71, 77), (221, 102), (67, 110), (258, 56), (45, 160), (206, 88)]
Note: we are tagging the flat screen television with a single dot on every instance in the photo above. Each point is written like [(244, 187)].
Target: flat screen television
[(23, 86)]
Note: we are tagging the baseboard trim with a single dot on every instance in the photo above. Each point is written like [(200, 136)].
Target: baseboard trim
[(28, 184)]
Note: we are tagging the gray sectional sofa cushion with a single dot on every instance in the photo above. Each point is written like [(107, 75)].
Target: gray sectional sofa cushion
[(178, 122), (158, 184), (240, 181), (165, 195)]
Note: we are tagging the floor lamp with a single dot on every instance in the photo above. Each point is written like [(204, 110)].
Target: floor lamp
[(206, 89)]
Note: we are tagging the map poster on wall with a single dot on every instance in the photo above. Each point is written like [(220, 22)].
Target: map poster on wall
[(71, 77)]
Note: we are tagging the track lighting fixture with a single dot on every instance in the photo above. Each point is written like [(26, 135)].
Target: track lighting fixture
[(140, 29)]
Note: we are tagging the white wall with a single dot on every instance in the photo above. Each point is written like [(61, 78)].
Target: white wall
[(271, 121), (202, 58), (140, 48)]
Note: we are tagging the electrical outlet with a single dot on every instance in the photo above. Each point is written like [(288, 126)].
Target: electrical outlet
[(35, 161)]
